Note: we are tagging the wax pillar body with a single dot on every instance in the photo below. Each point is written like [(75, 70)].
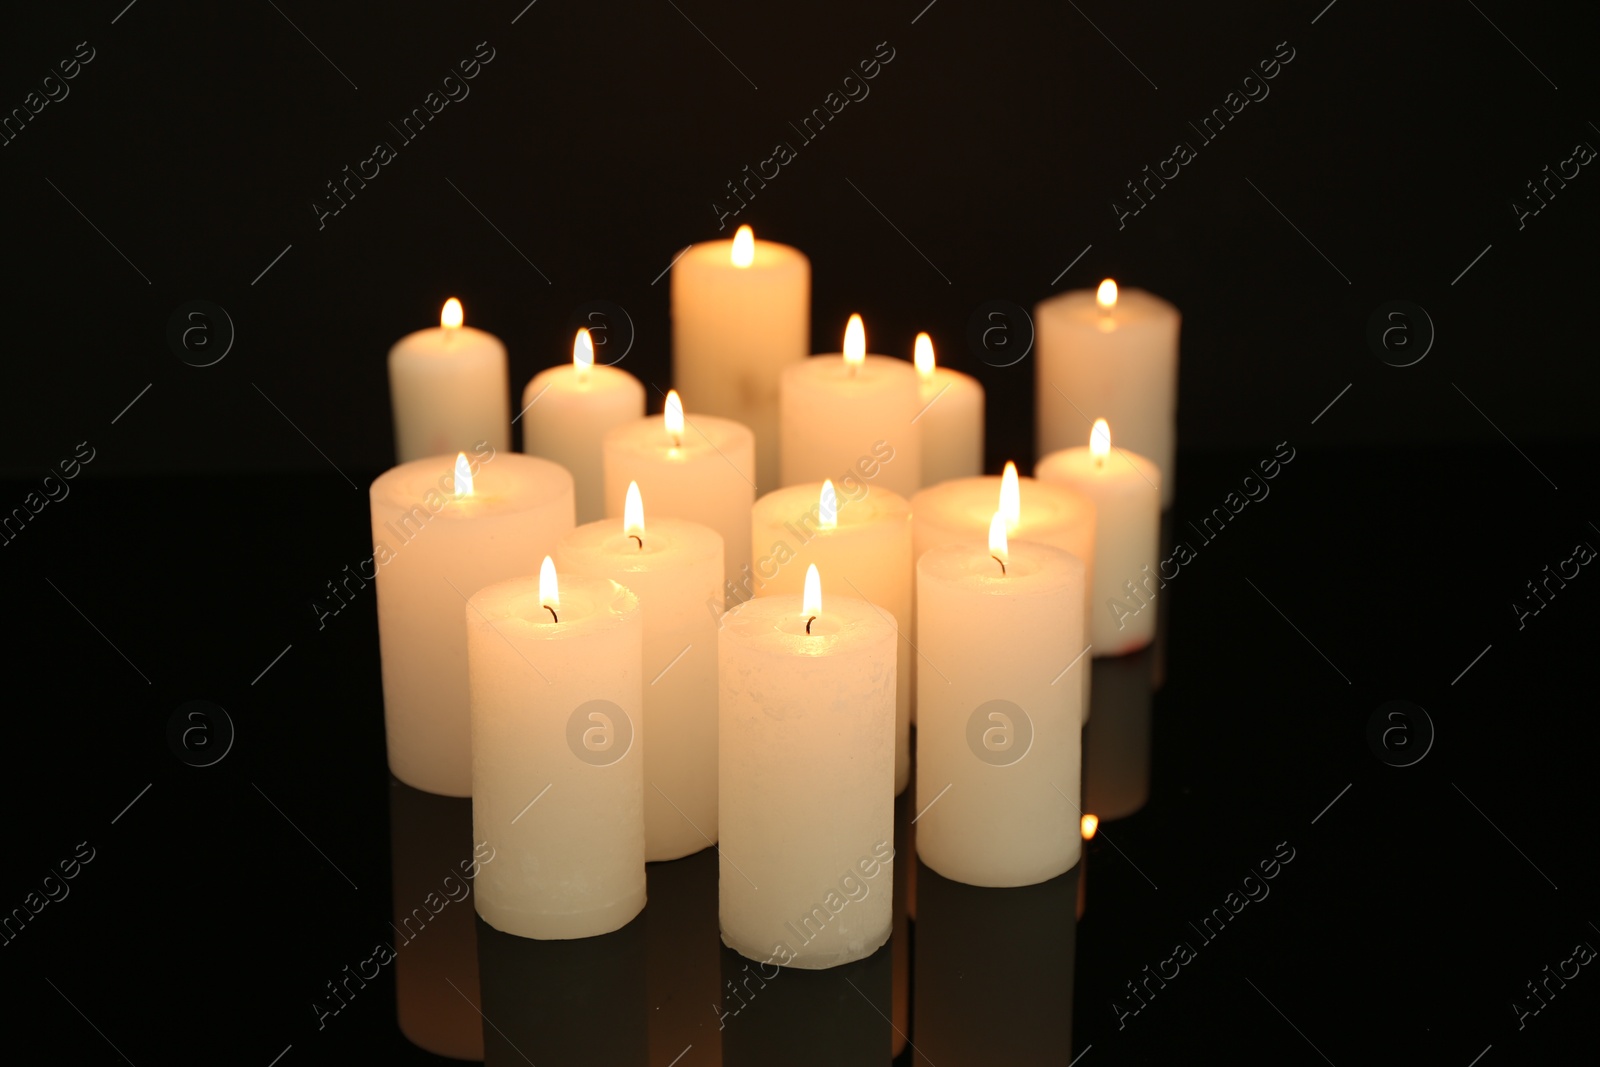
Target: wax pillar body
[(558, 756), (431, 550), (996, 722), (1121, 366), (952, 426), (449, 390), (708, 476), (566, 415), (806, 771), (867, 554), (734, 329), (674, 572), (1125, 488), (838, 422)]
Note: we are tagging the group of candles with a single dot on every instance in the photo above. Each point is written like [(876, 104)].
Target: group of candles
[(622, 654)]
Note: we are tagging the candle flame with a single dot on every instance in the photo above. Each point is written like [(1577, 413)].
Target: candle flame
[(744, 247), (1106, 295), (1011, 497), (1100, 439), (1088, 825), (463, 475), (672, 417), (999, 547), (828, 507), (633, 514), (811, 603), (549, 593), (451, 316), (922, 355), (855, 343), (582, 352)]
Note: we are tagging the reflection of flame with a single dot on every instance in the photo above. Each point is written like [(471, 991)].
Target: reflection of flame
[(463, 475), (1100, 439), (922, 355), (855, 343), (811, 603), (549, 594), (744, 247), (1106, 295), (828, 507), (1011, 497), (633, 514), (451, 316), (1088, 825)]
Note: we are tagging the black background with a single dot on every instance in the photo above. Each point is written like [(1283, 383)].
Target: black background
[(1419, 503)]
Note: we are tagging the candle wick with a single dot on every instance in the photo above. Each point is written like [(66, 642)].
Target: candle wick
[(1002, 563), (552, 612), (677, 441), (809, 622), (639, 539), (1099, 462)]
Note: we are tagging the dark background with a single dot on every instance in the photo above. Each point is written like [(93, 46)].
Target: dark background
[(190, 549)]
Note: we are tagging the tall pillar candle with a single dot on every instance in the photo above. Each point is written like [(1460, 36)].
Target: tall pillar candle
[(557, 754), (999, 732), (860, 537), (700, 468), (567, 411), (449, 389), (851, 412), (443, 528), (1109, 354), (951, 418), (741, 312), (1125, 488), (673, 567), (806, 773)]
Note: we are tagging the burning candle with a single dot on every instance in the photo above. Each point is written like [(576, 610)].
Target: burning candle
[(673, 567), (951, 418), (569, 409), (448, 388), (557, 754)]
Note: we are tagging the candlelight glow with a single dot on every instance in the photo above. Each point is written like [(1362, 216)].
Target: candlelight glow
[(811, 603), (828, 507), (922, 355), (744, 247), (633, 514), (1011, 497), (463, 475), (1088, 825), (583, 352), (999, 548), (549, 594), (1100, 439), (672, 417), (855, 343), (451, 316), (1106, 295)]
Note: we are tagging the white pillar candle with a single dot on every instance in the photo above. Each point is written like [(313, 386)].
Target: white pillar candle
[(1109, 354), (700, 468), (568, 410), (483, 519), (851, 412), (806, 768), (557, 754), (1126, 490), (673, 567), (959, 512), (741, 312), (951, 418), (860, 537), (999, 730), (449, 389)]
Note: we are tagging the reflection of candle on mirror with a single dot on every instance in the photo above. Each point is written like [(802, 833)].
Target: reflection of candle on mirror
[(951, 419), (806, 769), (741, 312), (1115, 353), (567, 411), (448, 389), (699, 468), (851, 412), (557, 753), (482, 516), (1126, 492), (673, 567)]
